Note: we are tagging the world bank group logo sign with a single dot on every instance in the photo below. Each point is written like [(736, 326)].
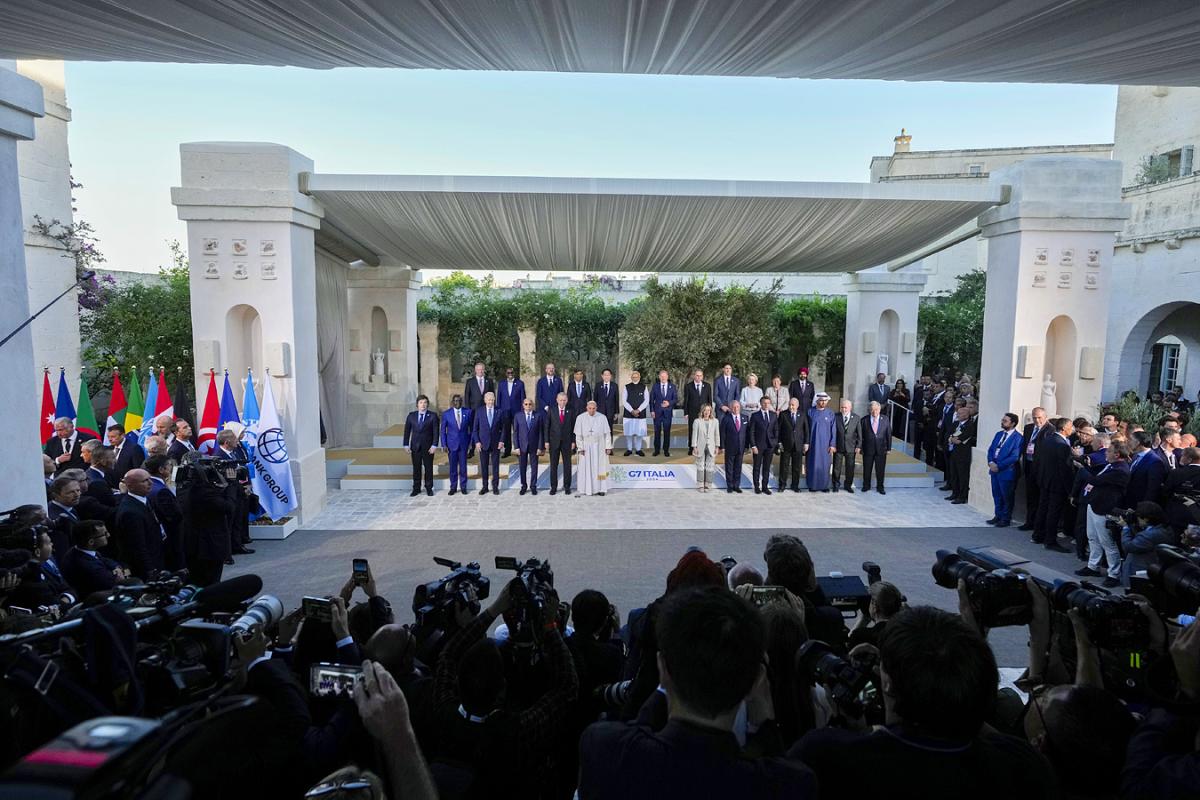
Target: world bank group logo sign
[(272, 447), (652, 476)]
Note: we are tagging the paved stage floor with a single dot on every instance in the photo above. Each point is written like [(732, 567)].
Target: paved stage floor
[(625, 543)]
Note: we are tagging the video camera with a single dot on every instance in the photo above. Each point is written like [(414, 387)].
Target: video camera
[(215, 472), (1115, 623), (851, 687), (536, 578), (1117, 519), (1172, 582), (434, 602), (997, 595)]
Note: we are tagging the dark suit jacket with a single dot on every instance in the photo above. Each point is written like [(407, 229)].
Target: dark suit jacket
[(1054, 470), (177, 451), (1146, 479), (131, 457), (849, 435), (529, 438), (557, 433), (793, 436), (420, 436), (879, 392), (732, 439), (723, 396), (205, 523), (657, 396), (547, 391), (1027, 462), (506, 401), (692, 400), (100, 489), (85, 573), (608, 403), (485, 436), (1108, 487), (805, 395), (139, 537), (170, 514), (54, 448), (577, 402), (764, 433), (872, 442), (472, 397)]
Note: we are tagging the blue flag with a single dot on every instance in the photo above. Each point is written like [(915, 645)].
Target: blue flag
[(65, 407), (147, 429), (272, 478), (250, 417), (229, 410)]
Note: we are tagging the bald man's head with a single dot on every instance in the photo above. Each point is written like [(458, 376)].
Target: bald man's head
[(137, 481)]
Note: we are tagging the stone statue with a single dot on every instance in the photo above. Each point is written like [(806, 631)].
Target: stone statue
[(377, 362), (1049, 389)]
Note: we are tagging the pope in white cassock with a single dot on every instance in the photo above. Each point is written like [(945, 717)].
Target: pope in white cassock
[(593, 438)]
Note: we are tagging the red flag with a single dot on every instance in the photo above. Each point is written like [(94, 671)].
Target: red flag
[(117, 405), (163, 404), (212, 413), (47, 408)]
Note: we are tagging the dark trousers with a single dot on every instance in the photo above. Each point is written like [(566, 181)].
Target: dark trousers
[(506, 428), (422, 461), (918, 439), (662, 432), (205, 571), (843, 463), (876, 462), (931, 443), (762, 469), (960, 472), (941, 457), (1032, 493), (1080, 532), (529, 465), (489, 464), (789, 468), (1049, 515), (560, 452), (733, 468)]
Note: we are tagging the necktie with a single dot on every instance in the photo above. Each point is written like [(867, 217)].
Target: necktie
[(1003, 439), (529, 420), (489, 417), (793, 417), (421, 418), (845, 421), (737, 423), (457, 418), (480, 384), (874, 424), (52, 568), (561, 416)]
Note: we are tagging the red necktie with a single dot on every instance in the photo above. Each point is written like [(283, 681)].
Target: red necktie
[(560, 417), (737, 423)]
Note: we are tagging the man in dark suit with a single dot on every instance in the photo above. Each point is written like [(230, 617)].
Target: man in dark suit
[(764, 436), (476, 386), (126, 451), (1032, 438), (510, 399), (62, 511), (65, 445), (529, 436), (421, 438), (920, 394), (456, 441), (548, 387), (579, 393), (663, 399), (726, 389), (1181, 491), (166, 507), (560, 441), (848, 444), (947, 417), (139, 532), (241, 497), (803, 390), (84, 567), (98, 487), (876, 443), (930, 417), (696, 393), (182, 444), (1055, 476), (205, 527), (1169, 443), (793, 436), (879, 391), (1146, 473), (963, 435), (608, 399), (486, 437), (734, 431)]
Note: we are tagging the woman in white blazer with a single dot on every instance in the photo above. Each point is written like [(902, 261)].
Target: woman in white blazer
[(779, 395), (751, 396), (706, 439)]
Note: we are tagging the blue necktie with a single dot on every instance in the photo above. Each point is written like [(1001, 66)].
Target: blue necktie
[(489, 418)]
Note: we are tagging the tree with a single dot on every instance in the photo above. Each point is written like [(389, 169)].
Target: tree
[(813, 329), (950, 327), (692, 324)]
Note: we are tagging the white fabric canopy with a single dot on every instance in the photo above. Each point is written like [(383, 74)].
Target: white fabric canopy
[(616, 225), (1067, 41)]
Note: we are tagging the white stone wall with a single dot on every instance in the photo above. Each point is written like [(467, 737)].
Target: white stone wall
[(1154, 119)]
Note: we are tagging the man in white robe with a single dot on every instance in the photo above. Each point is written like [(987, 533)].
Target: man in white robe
[(635, 399), (593, 439)]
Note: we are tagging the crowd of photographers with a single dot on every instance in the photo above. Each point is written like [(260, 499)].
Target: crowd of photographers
[(735, 681)]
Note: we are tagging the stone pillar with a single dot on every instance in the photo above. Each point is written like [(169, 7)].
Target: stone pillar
[(20, 103), (529, 369), (445, 384), (427, 335), (881, 325), (253, 284), (1049, 271)]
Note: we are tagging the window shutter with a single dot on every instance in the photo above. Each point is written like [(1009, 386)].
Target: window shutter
[(1185, 160)]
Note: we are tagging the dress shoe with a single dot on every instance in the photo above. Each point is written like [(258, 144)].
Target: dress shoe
[(766, 491), (495, 490), (453, 491), (796, 489), (1110, 583), (567, 490), (850, 489), (414, 493), (553, 492), (757, 490), (641, 453), (627, 453), (949, 498), (243, 551), (1003, 523), (533, 490), (601, 494), (229, 561), (483, 490), (523, 490), (429, 491), (957, 502), (1025, 526), (655, 452), (737, 489), (1057, 548), (835, 488), (881, 490), (992, 521), (728, 490), (667, 454), (1087, 572), (826, 491)]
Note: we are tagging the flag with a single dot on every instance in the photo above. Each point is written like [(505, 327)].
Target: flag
[(86, 422), (64, 407), (183, 397), (147, 427), (206, 440), (47, 407), (116, 404), (229, 410), (133, 410), (163, 404), (272, 480), (250, 416)]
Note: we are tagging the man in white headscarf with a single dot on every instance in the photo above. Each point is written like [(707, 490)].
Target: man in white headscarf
[(593, 438)]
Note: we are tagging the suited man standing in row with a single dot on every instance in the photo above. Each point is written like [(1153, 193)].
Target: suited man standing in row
[(528, 436), (963, 435), (127, 453), (803, 390), (733, 441), (421, 438), (764, 436), (848, 444), (1147, 471), (510, 399), (579, 393), (696, 394), (548, 388), (64, 447), (1055, 477), (560, 442), (1031, 439), (876, 443), (138, 530), (456, 440), (608, 399), (487, 434), (663, 399), (166, 508), (1004, 455), (726, 389), (477, 386), (879, 391), (793, 437), (182, 444)]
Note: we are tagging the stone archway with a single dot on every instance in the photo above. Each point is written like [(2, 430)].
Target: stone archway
[(888, 344), (244, 342), (1179, 319), (1061, 361)]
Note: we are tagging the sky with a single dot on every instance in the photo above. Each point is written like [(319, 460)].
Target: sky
[(129, 119)]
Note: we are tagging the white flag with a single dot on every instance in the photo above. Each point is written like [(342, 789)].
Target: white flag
[(272, 479)]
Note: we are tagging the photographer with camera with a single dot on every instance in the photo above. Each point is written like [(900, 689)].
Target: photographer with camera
[(1140, 536), (42, 583), (485, 747), (790, 565), (204, 527), (886, 602)]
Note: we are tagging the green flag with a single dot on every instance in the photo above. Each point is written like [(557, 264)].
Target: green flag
[(85, 416), (134, 409)]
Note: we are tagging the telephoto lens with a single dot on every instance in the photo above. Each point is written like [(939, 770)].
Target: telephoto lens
[(262, 614), (1113, 623)]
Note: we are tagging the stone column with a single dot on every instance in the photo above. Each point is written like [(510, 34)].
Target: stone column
[(624, 367), (20, 103), (530, 369), (427, 335), (445, 385), (253, 283), (1049, 271), (881, 325)]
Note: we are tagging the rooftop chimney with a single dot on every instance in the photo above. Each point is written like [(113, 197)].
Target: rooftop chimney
[(903, 142)]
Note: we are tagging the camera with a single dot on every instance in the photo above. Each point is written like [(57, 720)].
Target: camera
[(1113, 623), (333, 680), (263, 613), (434, 602), (1117, 519), (849, 686), (535, 577), (998, 596), (765, 595), (1172, 582)]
